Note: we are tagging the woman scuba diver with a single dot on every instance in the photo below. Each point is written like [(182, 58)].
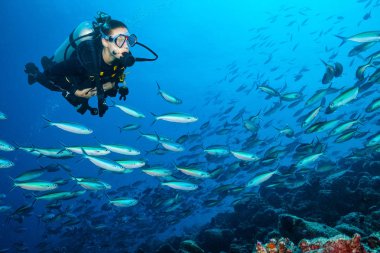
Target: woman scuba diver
[(91, 62)]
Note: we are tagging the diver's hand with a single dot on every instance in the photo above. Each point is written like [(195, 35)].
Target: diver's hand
[(123, 91), (32, 71), (86, 93), (91, 92), (108, 86)]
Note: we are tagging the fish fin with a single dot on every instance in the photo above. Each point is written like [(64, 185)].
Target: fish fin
[(141, 133), (47, 120), (324, 63), (59, 152), (158, 137), (63, 144), (155, 119), (113, 103), (97, 140), (13, 187), (17, 146), (84, 152), (344, 39), (34, 201), (105, 193), (323, 102), (13, 180), (159, 88), (370, 62)]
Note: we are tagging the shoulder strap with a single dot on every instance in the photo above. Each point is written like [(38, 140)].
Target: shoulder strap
[(89, 56)]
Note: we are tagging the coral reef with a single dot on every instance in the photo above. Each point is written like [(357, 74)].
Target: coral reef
[(297, 228), (338, 244), (283, 245)]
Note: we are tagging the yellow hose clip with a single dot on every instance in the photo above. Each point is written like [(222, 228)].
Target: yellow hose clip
[(122, 78)]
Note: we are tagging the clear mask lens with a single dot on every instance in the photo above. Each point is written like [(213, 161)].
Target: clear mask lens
[(121, 39)]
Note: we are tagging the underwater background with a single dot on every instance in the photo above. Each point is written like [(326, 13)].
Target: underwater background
[(271, 154)]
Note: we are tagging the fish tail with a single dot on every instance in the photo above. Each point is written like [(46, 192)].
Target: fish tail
[(35, 199), (17, 146), (44, 117), (53, 170), (155, 118), (141, 133), (11, 178), (323, 102), (325, 63), (158, 137), (113, 104), (370, 63), (159, 88), (97, 140), (64, 147), (14, 186), (344, 39), (47, 120)]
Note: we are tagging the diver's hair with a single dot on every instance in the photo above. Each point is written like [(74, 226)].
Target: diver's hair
[(112, 24)]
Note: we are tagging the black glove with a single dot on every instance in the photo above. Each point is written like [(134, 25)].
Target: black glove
[(84, 107), (123, 91), (112, 92), (32, 71)]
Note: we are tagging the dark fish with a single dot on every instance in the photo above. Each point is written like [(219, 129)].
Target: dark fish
[(333, 56), (360, 70), (361, 48), (297, 77), (182, 139), (338, 70), (205, 125), (329, 73), (238, 115), (374, 78), (269, 59)]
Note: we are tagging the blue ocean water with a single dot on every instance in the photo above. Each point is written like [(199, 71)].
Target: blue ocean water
[(212, 55)]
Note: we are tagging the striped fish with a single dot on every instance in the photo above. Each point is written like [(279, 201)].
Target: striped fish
[(259, 179), (71, 127), (124, 202), (169, 98), (184, 186), (130, 111), (176, 117)]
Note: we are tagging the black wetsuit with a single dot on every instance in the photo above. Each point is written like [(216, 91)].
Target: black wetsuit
[(80, 72)]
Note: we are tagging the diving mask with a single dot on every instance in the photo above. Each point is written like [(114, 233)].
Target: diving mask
[(121, 39)]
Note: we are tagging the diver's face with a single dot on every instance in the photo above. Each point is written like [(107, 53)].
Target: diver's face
[(116, 51)]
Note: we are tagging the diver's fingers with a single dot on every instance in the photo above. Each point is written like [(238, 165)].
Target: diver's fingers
[(89, 90)]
